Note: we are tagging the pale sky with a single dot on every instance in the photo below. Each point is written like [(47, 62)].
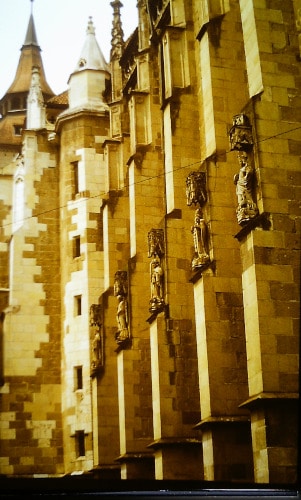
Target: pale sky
[(61, 29)]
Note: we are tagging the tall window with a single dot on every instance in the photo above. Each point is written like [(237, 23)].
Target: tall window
[(78, 305), (80, 448), (76, 247), (78, 378), (75, 177)]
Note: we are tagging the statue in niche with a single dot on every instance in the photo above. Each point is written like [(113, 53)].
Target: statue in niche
[(196, 193), (156, 272), (244, 180), (200, 239), (156, 251), (241, 140), (196, 188), (96, 322), (121, 291)]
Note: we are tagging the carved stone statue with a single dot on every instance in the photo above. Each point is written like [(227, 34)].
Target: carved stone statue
[(96, 349), (156, 251), (156, 242), (240, 134), (244, 180), (122, 319), (156, 272), (196, 188), (241, 140), (200, 239), (121, 291), (96, 322)]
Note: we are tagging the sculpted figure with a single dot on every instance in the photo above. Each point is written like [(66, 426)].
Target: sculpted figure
[(196, 188), (240, 134), (96, 337), (156, 251), (200, 239), (120, 291), (155, 242), (156, 272), (246, 209), (96, 348), (122, 319), (241, 140)]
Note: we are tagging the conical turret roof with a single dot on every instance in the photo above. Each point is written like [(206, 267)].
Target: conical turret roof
[(30, 56), (91, 55)]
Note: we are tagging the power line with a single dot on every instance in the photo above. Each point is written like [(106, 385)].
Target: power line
[(99, 195)]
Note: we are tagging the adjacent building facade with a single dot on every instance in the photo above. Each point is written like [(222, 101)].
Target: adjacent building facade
[(150, 250)]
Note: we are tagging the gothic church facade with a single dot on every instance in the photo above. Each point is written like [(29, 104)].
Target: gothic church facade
[(150, 250)]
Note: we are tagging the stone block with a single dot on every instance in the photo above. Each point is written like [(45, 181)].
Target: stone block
[(287, 344)]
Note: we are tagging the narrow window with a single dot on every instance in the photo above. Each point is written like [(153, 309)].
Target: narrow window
[(17, 129), (75, 177), (80, 443), (76, 247), (78, 378), (15, 103), (78, 305)]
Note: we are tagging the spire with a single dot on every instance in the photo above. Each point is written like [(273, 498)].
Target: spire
[(31, 36), (91, 56), (117, 32), (30, 57), (88, 82)]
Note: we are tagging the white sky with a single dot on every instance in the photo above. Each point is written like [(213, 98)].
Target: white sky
[(61, 29)]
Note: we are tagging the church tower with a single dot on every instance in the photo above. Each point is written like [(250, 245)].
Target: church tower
[(150, 251), (13, 104), (81, 131), (30, 275)]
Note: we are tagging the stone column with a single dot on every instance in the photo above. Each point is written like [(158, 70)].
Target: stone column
[(270, 297), (222, 378), (178, 451), (136, 461)]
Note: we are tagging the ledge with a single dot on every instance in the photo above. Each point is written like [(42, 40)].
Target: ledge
[(225, 419), (135, 455), (262, 220), (173, 441), (176, 213), (197, 274), (112, 140), (265, 397), (124, 345), (164, 309), (70, 114)]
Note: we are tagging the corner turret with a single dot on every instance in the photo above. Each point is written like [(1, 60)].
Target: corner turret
[(88, 82), (13, 104)]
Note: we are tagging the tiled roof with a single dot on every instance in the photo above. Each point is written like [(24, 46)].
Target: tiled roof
[(61, 99), (30, 56)]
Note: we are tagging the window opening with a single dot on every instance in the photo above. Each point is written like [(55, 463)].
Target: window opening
[(80, 443), (78, 378), (76, 247), (78, 305)]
